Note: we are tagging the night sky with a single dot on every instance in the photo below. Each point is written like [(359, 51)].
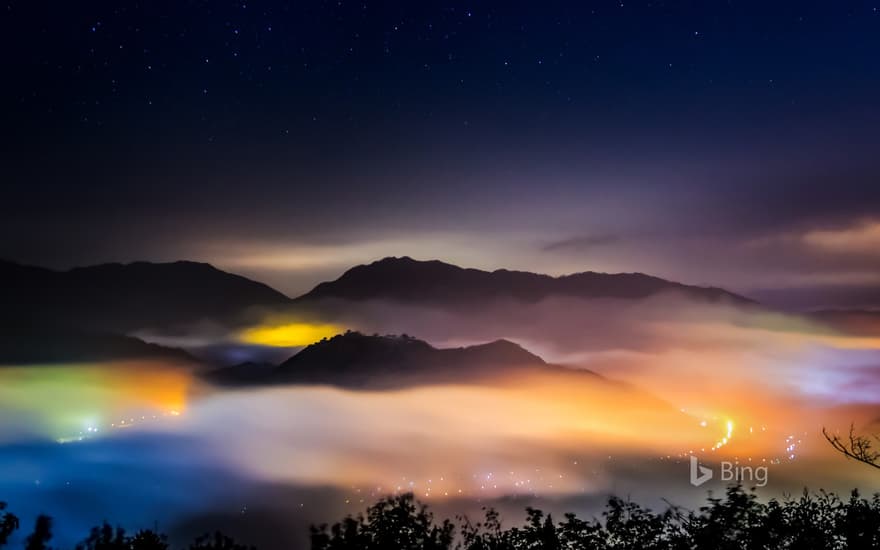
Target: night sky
[(726, 143)]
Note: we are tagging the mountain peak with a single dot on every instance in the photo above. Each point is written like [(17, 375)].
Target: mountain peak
[(128, 296), (506, 351), (403, 279), (354, 359)]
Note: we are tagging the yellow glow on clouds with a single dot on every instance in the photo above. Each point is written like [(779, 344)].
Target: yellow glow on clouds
[(288, 334)]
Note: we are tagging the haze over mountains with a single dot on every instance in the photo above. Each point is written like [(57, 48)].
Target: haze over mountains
[(87, 313), (75, 313), (143, 294)]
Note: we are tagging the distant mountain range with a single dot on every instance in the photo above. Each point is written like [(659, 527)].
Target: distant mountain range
[(126, 297), (357, 360), (438, 283), (80, 308)]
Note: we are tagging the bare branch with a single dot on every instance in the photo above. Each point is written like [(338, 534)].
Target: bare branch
[(856, 447)]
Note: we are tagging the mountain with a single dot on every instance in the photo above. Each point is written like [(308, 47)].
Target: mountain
[(26, 345), (361, 361), (121, 298), (438, 283), (242, 374), (85, 313), (125, 297), (77, 310)]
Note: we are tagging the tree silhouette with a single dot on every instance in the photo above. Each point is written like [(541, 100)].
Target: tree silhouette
[(8, 524), (859, 522), (42, 534), (486, 535), (217, 541), (148, 540), (735, 521), (538, 533), (397, 522), (732, 523), (105, 537), (575, 533)]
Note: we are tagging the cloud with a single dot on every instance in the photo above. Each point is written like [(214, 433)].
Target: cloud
[(860, 238), (580, 243), (771, 376), (815, 265)]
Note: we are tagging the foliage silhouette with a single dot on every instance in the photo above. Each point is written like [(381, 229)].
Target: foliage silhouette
[(104, 537), (42, 534), (394, 522), (146, 539), (8, 524), (738, 520), (217, 541)]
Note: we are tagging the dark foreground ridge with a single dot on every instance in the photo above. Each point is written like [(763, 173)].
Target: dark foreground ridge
[(362, 361), (738, 521), (437, 283)]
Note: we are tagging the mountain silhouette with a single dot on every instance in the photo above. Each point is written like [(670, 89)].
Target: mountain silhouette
[(86, 313), (437, 283), (358, 360), (124, 297), (242, 374), (121, 298), (54, 309), (22, 345)]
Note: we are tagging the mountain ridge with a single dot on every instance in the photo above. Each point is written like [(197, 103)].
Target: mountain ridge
[(123, 297), (24, 345), (357, 360), (89, 313), (404, 279)]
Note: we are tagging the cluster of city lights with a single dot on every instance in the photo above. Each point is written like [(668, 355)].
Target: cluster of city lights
[(790, 445), (91, 430)]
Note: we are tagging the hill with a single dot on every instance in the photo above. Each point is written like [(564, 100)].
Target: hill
[(438, 283), (362, 361), (29, 345), (125, 297)]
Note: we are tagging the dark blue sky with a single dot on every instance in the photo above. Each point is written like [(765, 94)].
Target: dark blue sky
[(703, 141)]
